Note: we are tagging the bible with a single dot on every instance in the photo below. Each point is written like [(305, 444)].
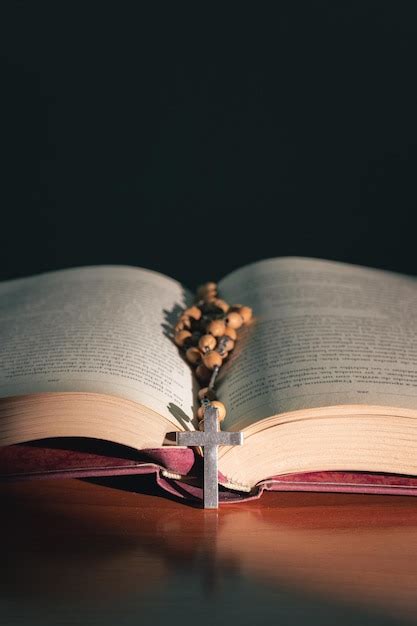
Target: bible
[(323, 383)]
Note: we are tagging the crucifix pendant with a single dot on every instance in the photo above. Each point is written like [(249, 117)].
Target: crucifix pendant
[(209, 439)]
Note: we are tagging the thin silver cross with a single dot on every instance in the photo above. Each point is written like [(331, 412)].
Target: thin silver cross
[(209, 439)]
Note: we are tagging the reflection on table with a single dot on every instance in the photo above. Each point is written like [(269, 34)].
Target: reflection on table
[(103, 551)]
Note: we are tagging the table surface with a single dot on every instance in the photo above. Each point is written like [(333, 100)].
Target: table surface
[(99, 552)]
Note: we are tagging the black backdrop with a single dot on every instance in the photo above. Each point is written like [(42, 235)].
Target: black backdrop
[(194, 138)]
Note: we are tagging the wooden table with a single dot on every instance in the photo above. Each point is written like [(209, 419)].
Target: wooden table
[(78, 552)]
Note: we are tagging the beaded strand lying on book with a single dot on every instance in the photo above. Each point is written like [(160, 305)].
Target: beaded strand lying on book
[(206, 332)]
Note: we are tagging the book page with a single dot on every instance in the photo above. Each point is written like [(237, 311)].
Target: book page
[(325, 334), (96, 329)]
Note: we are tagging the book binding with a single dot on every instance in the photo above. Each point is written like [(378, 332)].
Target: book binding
[(177, 471)]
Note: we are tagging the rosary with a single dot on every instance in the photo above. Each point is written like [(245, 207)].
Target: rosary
[(206, 333)]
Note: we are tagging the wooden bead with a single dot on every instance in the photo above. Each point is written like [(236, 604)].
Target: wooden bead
[(227, 343), (210, 286), (245, 313), (221, 304), (217, 328), (217, 405), (230, 332), (200, 412), (221, 409), (185, 321), (193, 312), (201, 425), (207, 343), (180, 326), (208, 300), (212, 359), (207, 288), (233, 320), (203, 373), (181, 336), (193, 356), (206, 392)]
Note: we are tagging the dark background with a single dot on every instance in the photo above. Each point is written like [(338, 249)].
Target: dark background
[(194, 138)]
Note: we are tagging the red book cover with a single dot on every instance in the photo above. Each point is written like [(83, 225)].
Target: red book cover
[(176, 470)]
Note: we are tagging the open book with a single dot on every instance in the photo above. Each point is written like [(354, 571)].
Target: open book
[(323, 384)]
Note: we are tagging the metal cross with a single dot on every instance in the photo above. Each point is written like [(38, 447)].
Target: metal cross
[(210, 438)]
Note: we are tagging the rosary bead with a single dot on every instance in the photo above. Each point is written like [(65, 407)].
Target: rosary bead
[(245, 313), (221, 304), (227, 343), (212, 359), (216, 328), (193, 312), (221, 409), (206, 392), (210, 297), (203, 373), (207, 343), (185, 321), (207, 288), (217, 405), (230, 332), (200, 413), (233, 320), (179, 326), (193, 356), (206, 333), (181, 336), (210, 286)]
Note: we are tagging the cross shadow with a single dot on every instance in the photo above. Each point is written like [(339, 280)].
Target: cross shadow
[(170, 319), (181, 417)]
